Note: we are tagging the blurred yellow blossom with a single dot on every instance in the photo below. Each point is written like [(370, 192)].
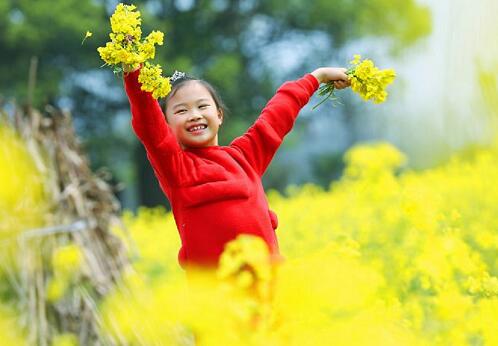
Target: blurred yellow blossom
[(10, 330), (65, 340), (246, 260), (67, 260), (24, 203), (56, 288)]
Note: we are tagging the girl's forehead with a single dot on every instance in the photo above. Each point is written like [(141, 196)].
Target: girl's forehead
[(190, 92)]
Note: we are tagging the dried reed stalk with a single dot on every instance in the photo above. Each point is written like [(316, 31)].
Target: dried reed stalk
[(83, 211)]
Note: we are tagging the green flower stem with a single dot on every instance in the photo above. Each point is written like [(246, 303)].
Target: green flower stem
[(330, 88)]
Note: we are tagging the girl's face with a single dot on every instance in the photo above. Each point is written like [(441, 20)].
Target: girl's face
[(193, 116)]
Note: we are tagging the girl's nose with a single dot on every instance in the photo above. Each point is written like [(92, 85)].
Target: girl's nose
[(194, 116)]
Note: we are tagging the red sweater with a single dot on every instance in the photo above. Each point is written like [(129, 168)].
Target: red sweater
[(216, 192)]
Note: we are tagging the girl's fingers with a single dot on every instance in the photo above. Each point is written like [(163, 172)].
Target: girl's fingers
[(339, 84)]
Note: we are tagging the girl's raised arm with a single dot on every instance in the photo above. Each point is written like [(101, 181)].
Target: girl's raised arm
[(148, 120), (263, 138), (149, 124)]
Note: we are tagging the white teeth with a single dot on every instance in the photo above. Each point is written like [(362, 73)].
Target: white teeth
[(195, 128)]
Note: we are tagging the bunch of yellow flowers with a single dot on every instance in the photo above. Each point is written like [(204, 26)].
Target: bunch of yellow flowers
[(127, 47), (247, 275), (369, 81), (152, 80), (246, 262), (366, 79)]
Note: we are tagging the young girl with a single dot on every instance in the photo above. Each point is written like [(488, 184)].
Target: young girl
[(216, 191)]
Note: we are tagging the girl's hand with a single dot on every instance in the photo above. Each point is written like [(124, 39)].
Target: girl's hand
[(332, 74), (129, 68)]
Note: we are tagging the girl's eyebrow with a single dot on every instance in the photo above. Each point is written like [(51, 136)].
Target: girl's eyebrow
[(184, 104)]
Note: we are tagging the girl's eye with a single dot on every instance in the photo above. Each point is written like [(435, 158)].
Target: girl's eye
[(180, 111), (203, 106)]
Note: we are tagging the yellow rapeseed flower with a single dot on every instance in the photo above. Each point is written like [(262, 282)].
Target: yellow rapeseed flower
[(366, 79), (56, 288), (66, 339), (127, 47), (10, 328), (246, 261), (369, 81), (67, 260), (152, 80), (24, 202), (87, 35)]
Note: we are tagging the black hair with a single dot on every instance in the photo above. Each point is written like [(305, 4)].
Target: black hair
[(182, 81)]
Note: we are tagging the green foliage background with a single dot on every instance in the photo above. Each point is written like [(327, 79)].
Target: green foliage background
[(221, 41)]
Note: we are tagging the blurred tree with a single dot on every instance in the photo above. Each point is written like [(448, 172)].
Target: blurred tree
[(51, 31), (220, 40)]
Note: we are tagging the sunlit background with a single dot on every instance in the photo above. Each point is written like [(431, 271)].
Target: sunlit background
[(387, 212)]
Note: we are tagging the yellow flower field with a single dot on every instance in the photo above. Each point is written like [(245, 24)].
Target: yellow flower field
[(385, 257)]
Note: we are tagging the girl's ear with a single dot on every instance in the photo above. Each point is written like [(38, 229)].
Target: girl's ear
[(220, 115)]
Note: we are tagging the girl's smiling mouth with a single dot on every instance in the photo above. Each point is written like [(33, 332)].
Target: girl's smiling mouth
[(198, 128)]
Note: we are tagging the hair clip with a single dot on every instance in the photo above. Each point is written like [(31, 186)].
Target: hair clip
[(177, 75)]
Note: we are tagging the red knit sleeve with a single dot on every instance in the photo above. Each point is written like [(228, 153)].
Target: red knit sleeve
[(263, 138), (149, 124), (148, 120)]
